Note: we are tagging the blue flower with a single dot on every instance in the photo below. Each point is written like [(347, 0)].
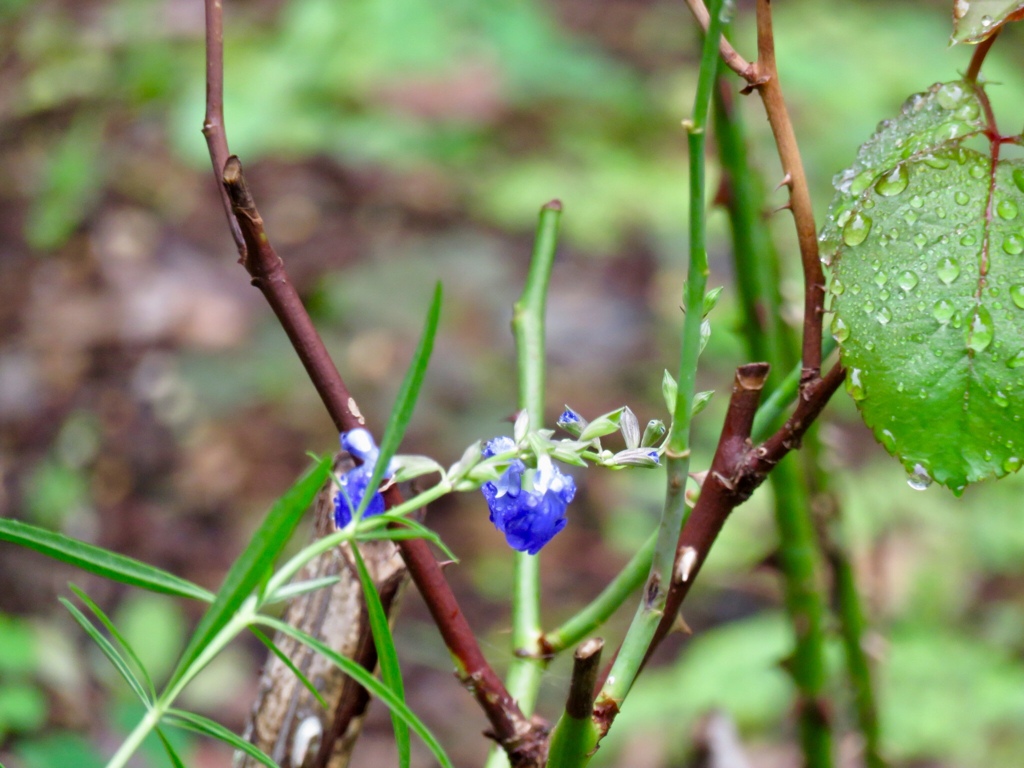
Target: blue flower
[(572, 422), (353, 484), (528, 516)]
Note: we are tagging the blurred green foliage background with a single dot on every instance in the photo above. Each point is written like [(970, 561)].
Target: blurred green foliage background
[(148, 403)]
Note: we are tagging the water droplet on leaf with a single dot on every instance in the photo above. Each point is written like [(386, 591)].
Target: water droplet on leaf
[(1017, 295), (968, 112), (1016, 361), (883, 316), (856, 230), (942, 311), (962, 198), (854, 385), (1018, 178), (1012, 464), (862, 182), (938, 163), (907, 281), (948, 271), (981, 330), (950, 95), (893, 183), (1007, 209), (840, 330), (919, 479), (1013, 244), (1000, 399)]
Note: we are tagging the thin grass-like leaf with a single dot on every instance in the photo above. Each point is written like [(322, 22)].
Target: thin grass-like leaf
[(390, 669), (299, 588), (109, 651), (413, 530), (189, 721), (172, 755), (255, 562), (125, 645), (368, 681), (263, 638), (405, 401), (100, 561)]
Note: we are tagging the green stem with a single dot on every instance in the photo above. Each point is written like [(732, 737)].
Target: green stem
[(846, 604), (799, 561), (575, 733), (604, 605), (155, 714), (131, 744), (852, 627), (527, 667), (652, 604)]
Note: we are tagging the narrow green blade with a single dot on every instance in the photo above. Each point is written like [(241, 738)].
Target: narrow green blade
[(263, 638), (390, 669), (100, 561), (117, 636), (172, 754), (108, 650), (190, 721), (413, 529)]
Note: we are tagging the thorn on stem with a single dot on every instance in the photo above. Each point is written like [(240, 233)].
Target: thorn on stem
[(686, 561)]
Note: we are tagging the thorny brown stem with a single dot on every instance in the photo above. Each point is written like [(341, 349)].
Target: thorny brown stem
[(736, 471), (213, 123), (766, 81), (764, 77), (510, 728)]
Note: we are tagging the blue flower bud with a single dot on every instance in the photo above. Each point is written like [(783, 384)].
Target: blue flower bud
[(353, 484), (496, 445), (571, 422)]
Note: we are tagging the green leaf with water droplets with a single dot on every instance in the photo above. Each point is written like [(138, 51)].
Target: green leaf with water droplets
[(924, 242), (975, 20)]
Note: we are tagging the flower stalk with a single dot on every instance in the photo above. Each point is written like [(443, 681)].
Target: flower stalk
[(525, 671), (652, 605)]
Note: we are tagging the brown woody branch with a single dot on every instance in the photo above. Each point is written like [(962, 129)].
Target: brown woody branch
[(510, 727), (737, 469), (213, 123)]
